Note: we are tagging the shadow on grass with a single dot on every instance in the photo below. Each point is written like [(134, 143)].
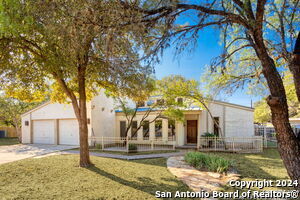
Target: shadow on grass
[(161, 162), (144, 184)]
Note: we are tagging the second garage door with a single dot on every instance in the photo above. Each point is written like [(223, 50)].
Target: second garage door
[(68, 132)]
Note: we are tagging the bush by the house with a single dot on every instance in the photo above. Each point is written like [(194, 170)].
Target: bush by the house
[(209, 162), (207, 134), (98, 146), (132, 147)]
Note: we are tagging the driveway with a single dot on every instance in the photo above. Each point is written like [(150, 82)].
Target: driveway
[(21, 151)]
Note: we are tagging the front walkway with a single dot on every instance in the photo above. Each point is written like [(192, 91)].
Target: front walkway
[(127, 157), (198, 180), (21, 151)]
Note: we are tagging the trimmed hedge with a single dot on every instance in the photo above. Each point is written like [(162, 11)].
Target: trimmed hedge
[(209, 162)]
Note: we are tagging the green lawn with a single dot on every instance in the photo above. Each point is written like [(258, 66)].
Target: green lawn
[(58, 177), (267, 165), (8, 141)]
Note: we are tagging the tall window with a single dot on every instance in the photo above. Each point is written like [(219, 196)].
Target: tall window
[(134, 129), (171, 129), (158, 128), (146, 130), (216, 125), (123, 128)]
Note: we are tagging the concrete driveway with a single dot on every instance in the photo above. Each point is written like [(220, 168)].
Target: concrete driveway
[(21, 151)]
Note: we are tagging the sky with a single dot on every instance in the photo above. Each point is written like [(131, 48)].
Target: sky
[(192, 64)]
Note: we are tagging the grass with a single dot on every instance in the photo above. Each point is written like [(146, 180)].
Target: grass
[(9, 141), (271, 144), (59, 177), (207, 162), (267, 165)]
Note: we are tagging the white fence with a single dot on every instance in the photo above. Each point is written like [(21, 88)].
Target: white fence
[(127, 144), (231, 144)]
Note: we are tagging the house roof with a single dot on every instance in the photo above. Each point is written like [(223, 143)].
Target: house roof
[(36, 108), (232, 104), (143, 109)]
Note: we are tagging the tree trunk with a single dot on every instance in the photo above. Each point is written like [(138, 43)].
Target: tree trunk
[(80, 112), (288, 144), (83, 127)]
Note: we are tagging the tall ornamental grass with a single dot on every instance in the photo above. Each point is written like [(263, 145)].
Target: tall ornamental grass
[(210, 162)]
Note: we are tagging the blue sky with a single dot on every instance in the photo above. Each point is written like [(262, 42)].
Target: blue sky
[(192, 65)]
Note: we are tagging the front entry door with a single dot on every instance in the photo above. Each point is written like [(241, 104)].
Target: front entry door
[(192, 130)]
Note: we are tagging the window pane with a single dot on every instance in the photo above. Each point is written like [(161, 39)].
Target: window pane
[(146, 130), (158, 128), (134, 129), (216, 125), (123, 128), (171, 129)]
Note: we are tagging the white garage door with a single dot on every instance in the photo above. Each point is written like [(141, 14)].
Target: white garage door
[(68, 132), (43, 132)]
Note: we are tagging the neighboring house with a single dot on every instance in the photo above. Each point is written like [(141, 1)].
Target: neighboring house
[(53, 123)]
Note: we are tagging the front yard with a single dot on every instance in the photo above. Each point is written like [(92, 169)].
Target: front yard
[(267, 165), (8, 141), (58, 177)]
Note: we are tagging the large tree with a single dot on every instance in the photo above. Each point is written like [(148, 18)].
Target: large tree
[(11, 110), (74, 48), (266, 29)]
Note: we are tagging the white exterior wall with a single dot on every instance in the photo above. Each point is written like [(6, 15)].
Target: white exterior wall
[(103, 116), (26, 130), (54, 111), (234, 121), (239, 123), (216, 111)]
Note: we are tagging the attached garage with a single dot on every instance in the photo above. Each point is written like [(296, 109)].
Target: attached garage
[(68, 132), (43, 132), (52, 123)]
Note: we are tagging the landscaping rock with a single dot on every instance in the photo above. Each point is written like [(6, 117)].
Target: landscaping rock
[(195, 179)]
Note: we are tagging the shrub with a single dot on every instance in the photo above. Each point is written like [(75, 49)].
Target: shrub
[(209, 162), (132, 147), (207, 134), (98, 146)]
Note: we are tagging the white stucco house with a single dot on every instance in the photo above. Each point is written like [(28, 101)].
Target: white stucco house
[(53, 123)]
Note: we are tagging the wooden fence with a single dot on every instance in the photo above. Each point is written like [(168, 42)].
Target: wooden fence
[(10, 131)]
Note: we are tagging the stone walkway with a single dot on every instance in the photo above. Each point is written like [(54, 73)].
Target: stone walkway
[(125, 157), (195, 179)]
